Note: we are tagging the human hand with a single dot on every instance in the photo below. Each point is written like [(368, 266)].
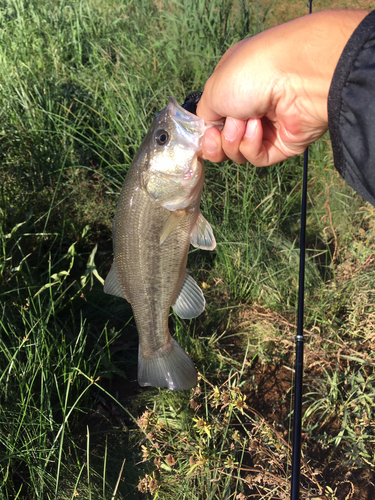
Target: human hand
[(273, 89)]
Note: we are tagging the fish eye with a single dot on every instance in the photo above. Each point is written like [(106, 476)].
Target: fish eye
[(161, 137)]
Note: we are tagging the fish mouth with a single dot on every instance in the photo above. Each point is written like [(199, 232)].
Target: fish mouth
[(189, 126), (179, 113)]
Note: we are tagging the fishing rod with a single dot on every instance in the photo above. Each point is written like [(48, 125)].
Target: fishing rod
[(190, 104), (298, 381)]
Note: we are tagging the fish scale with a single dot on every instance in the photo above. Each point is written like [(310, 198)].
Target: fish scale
[(153, 274)]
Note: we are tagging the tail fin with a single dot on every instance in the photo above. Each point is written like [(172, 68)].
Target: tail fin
[(170, 367)]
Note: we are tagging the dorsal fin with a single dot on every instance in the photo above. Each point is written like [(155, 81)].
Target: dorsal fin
[(112, 285)]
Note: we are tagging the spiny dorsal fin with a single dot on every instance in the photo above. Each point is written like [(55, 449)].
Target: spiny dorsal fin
[(190, 302), (202, 235), (112, 285), (172, 221)]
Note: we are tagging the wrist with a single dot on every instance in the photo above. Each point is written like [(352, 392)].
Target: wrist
[(321, 38)]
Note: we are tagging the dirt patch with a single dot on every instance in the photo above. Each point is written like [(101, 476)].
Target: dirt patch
[(355, 484), (270, 394)]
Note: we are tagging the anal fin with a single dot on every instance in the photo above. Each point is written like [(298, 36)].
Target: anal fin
[(190, 302)]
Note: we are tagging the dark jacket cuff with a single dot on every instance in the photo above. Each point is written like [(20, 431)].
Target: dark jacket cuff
[(351, 110)]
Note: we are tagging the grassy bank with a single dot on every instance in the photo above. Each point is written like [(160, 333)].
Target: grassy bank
[(80, 84)]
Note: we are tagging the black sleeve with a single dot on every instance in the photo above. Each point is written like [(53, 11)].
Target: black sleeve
[(351, 110)]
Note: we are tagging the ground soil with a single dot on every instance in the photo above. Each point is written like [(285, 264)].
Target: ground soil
[(272, 401), (269, 394)]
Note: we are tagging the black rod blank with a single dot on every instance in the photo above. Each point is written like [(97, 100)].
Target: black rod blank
[(298, 379), (298, 382)]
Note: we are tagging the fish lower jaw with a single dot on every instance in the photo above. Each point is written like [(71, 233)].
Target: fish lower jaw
[(169, 367)]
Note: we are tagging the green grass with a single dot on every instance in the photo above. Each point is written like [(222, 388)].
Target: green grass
[(80, 83)]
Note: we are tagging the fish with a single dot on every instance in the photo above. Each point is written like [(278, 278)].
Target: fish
[(156, 219)]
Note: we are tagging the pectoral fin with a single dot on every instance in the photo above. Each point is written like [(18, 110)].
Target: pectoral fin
[(202, 235), (112, 285), (190, 302), (172, 221)]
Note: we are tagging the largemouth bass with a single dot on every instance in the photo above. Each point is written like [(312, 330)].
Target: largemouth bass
[(157, 217)]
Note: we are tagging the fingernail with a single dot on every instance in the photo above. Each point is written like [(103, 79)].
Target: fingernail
[(210, 144), (251, 128), (230, 129)]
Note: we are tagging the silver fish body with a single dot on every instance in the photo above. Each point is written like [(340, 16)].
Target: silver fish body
[(156, 219)]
